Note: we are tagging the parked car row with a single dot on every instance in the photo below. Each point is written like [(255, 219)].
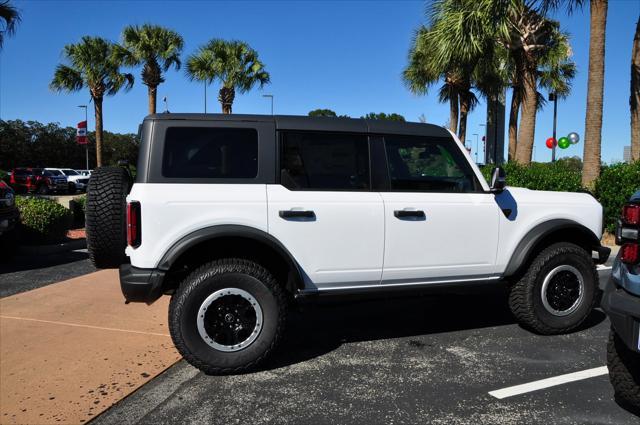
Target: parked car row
[(49, 180)]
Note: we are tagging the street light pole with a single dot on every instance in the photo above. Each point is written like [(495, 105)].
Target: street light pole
[(554, 97), (484, 144), (86, 146), (270, 96)]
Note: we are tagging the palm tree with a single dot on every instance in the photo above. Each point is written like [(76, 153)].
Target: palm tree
[(154, 47), (595, 82), (555, 71), (634, 98), (92, 64), (233, 63), (424, 70), (11, 17)]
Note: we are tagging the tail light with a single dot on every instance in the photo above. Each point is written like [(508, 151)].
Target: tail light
[(630, 253), (134, 229), (631, 214)]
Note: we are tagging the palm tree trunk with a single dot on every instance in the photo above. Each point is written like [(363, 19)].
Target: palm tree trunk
[(97, 103), (453, 113), (513, 124), (527, 129), (595, 92), (153, 91), (464, 111), (226, 96), (634, 99)]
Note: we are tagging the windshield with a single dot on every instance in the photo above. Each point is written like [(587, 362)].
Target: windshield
[(52, 173), (70, 172)]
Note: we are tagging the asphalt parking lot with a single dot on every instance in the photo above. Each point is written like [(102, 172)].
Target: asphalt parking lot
[(429, 359), (423, 359)]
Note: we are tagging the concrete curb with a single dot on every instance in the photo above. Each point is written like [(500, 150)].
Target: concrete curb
[(52, 249)]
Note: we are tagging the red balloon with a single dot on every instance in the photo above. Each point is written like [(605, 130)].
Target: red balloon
[(551, 142)]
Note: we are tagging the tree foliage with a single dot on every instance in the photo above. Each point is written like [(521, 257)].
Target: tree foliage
[(10, 18), (384, 116), (233, 63), (33, 144)]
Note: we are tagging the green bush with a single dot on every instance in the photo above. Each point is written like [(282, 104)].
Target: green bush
[(43, 220), (614, 187), (78, 207), (558, 176)]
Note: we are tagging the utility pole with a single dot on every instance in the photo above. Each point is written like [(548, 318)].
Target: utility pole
[(270, 96), (477, 135), (205, 96), (554, 97), (86, 146)]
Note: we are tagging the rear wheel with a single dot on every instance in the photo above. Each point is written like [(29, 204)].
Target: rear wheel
[(624, 371), (106, 216), (227, 316), (557, 292)]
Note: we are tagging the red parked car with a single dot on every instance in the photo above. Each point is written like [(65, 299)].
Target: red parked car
[(37, 180)]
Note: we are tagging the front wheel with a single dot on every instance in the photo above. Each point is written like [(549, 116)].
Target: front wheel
[(227, 316), (557, 292)]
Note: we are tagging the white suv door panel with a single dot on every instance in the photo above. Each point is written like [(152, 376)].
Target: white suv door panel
[(439, 222), (341, 245), (457, 237)]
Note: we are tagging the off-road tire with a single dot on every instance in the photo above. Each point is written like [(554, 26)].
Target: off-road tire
[(525, 298), (219, 274), (624, 372), (106, 216)]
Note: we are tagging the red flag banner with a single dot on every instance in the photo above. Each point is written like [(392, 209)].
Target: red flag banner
[(81, 135)]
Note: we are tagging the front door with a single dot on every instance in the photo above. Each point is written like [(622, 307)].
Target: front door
[(324, 212), (440, 225)]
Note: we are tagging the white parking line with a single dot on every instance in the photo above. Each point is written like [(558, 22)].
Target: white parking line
[(548, 382), (603, 267)]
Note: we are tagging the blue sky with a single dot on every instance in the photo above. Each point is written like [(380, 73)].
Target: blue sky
[(344, 55)]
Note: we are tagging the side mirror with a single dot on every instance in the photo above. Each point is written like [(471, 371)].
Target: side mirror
[(498, 180)]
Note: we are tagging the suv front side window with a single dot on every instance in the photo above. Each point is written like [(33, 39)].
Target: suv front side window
[(324, 161), (428, 164)]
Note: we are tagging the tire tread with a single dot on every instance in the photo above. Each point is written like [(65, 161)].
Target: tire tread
[(221, 266)]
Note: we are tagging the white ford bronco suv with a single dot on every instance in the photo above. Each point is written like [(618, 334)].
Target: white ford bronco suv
[(237, 216)]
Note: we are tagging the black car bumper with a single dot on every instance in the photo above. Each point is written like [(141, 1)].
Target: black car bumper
[(141, 285), (623, 310)]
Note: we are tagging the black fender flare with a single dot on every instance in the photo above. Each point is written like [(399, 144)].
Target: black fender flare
[(227, 230), (528, 243)]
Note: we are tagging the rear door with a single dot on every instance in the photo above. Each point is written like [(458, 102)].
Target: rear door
[(440, 224), (324, 211)]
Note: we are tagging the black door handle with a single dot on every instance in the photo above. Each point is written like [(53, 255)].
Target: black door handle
[(297, 214), (409, 214)]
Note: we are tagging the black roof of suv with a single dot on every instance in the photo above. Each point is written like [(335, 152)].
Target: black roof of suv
[(299, 122)]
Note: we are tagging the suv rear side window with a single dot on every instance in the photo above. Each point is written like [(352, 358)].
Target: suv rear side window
[(324, 161), (427, 164), (209, 152)]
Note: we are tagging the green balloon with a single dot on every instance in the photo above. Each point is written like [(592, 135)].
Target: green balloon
[(563, 143)]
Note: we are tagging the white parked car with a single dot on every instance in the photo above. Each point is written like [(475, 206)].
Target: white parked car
[(235, 216), (86, 173), (75, 180)]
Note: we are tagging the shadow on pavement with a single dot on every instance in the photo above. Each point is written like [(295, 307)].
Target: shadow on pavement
[(323, 327), (31, 262)]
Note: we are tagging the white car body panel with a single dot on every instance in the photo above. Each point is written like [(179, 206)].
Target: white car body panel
[(345, 242), (167, 219), (532, 207), (457, 238), (71, 178)]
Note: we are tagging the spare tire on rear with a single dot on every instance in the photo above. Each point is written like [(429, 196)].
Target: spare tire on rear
[(106, 216)]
